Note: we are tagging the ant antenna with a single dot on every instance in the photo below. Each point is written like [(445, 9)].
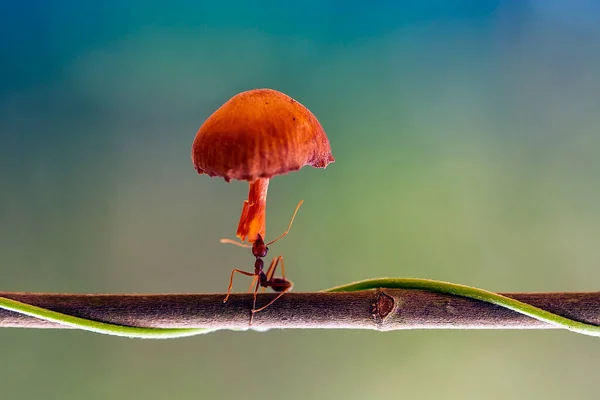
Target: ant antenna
[(244, 245), (248, 245), (289, 226)]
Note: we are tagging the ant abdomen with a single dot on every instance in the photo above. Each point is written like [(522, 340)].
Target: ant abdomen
[(280, 284)]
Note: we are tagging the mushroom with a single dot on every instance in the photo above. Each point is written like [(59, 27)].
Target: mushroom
[(254, 136)]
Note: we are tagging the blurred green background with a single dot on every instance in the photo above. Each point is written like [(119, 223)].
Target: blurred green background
[(467, 145)]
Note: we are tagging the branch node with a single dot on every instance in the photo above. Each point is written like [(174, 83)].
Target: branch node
[(381, 307)]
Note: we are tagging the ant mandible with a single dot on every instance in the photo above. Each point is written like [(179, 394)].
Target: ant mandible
[(259, 277)]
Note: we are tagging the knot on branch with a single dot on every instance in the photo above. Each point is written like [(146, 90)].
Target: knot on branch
[(381, 307)]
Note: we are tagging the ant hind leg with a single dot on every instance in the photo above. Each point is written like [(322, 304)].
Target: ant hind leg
[(270, 273), (272, 301), (274, 263)]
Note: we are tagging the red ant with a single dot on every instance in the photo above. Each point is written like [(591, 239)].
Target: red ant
[(259, 277)]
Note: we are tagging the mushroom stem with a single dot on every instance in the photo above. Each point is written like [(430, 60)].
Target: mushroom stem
[(253, 218)]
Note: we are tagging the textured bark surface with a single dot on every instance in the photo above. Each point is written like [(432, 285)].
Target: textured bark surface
[(381, 309)]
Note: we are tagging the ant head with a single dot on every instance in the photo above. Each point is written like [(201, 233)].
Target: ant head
[(259, 248)]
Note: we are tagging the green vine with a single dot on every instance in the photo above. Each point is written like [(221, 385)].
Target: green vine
[(476, 294), (391, 283), (97, 326)]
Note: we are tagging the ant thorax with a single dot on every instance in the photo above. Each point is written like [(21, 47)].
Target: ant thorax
[(259, 266)]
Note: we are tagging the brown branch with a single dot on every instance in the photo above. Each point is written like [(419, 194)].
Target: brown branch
[(381, 309)]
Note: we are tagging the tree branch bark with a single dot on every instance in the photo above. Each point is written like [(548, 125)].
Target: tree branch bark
[(379, 309)]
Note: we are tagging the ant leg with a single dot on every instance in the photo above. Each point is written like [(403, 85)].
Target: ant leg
[(254, 303), (272, 301), (252, 283), (231, 281), (273, 267), (244, 245), (289, 226), (270, 273)]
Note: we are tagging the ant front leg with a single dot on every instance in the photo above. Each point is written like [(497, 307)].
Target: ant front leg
[(231, 281), (252, 283)]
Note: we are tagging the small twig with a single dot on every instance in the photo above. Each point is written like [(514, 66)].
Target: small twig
[(380, 309)]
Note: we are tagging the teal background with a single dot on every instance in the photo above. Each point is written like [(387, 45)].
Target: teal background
[(467, 145)]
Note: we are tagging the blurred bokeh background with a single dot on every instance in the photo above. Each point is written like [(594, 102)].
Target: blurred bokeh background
[(467, 145)]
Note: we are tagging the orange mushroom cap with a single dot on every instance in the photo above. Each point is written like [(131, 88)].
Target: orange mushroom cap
[(258, 134)]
